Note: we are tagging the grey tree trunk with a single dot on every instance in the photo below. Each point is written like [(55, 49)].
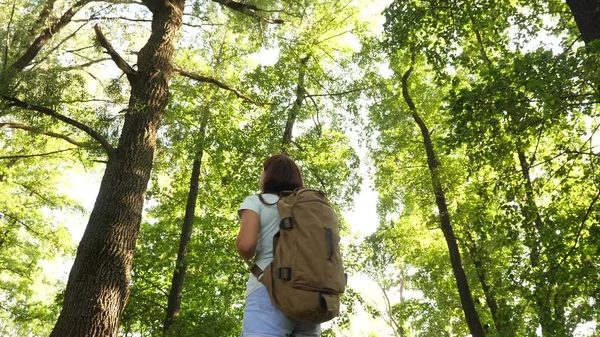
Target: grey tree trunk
[(175, 294), (98, 285)]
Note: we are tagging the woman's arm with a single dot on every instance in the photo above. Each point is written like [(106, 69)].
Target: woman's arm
[(248, 236)]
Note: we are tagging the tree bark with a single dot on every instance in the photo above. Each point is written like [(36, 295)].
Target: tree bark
[(98, 285), (175, 294), (464, 291), (293, 114), (587, 17)]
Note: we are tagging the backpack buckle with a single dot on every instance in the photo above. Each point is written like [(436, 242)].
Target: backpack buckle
[(284, 273), (286, 223)]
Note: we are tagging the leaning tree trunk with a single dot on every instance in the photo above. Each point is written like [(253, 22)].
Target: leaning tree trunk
[(587, 17), (98, 285), (175, 294), (464, 291)]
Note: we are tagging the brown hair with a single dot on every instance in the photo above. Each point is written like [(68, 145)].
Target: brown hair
[(281, 174)]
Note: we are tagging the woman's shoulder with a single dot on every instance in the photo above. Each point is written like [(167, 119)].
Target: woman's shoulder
[(253, 198), (267, 197)]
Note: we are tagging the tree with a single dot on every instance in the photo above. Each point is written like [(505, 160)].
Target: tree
[(511, 135), (471, 316), (99, 281)]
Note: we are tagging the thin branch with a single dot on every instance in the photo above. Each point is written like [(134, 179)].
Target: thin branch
[(151, 301), (597, 154), (337, 93), (112, 18), (20, 156), (49, 112), (219, 84), (35, 192), (119, 61), (249, 10), (12, 13), (580, 229), (317, 121), (534, 154), (40, 131), (17, 220), (202, 19), (58, 45), (78, 49), (93, 100), (154, 285), (333, 36), (313, 171), (82, 65)]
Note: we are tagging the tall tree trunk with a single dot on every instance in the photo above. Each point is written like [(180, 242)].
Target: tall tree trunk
[(464, 291), (98, 285), (175, 294), (293, 114), (490, 299), (587, 17), (534, 225)]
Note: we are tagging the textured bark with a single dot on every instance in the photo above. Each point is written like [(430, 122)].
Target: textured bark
[(293, 114), (175, 294), (464, 291), (98, 285), (587, 17)]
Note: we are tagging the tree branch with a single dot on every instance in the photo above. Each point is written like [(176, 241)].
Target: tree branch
[(201, 78), (19, 156), (70, 36), (45, 36), (49, 112), (580, 229), (119, 61), (12, 13), (110, 18), (597, 154), (40, 131), (337, 93), (19, 221), (249, 10), (312, 170), (82, 65)]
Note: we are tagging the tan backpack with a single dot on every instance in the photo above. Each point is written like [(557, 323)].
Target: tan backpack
[(306, 277)]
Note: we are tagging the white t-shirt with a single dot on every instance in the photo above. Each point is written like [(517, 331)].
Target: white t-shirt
[(269, 226)]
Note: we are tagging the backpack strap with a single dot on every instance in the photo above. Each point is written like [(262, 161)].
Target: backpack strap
[(267, 203), (254, 269)]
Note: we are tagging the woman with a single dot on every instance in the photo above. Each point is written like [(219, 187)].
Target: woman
[(260, 222)]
